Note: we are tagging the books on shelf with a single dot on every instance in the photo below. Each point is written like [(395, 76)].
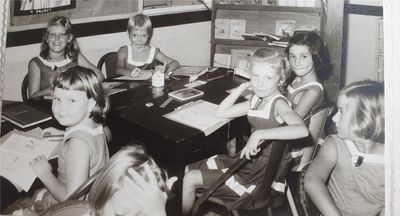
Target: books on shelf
[(186, 94), (23, 115), (285, 27), (237, 28), (230, 28), (222, 27), (199, 114), (16, 152)]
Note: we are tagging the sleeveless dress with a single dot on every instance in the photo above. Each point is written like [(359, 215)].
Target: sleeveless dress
[(47, 69), (294, 150), (357, 186), (296, 145), (249, 177), (99, 155), (150, 62)]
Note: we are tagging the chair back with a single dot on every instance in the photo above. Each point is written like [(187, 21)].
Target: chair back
[(68, 208), (109, 61), (317, 126), (24, 89), (84, 188)]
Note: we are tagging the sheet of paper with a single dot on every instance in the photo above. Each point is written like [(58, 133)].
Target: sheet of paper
[(15, 154), (188, 70), (108, 85), (200, 115), (144, 75)]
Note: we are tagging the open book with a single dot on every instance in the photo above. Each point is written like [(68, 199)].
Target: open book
[(16, 151), (198, 114)]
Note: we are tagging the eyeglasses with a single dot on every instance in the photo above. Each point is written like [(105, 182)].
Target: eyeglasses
[(60, 36)]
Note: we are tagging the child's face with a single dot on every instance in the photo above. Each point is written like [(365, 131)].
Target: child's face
[(138, 37), (119, 204), (264, 79), (58, 38), (343, 118), (70, 107), (300, 59)]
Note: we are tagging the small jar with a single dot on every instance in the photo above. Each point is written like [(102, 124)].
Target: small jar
[(158, 79)]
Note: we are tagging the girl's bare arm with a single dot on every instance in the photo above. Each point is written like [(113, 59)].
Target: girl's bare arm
[(228, 109), (317, 174), (121, 59), (171, 64)]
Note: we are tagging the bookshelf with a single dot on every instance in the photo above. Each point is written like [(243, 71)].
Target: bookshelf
[(327, 20)]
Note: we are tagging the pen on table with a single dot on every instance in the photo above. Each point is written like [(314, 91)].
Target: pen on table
[(215, 78)]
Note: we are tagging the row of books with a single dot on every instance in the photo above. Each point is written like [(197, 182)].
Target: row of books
[(290, 3), (236, 29)]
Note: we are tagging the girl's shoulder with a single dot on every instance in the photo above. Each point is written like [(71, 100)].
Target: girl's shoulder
[(83, 133)]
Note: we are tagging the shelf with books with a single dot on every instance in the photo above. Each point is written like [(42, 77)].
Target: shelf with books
[(249, 26), (267, 8)]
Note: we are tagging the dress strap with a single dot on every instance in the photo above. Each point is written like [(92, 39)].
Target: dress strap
[(358, 157), (292, 90), (92, 131)]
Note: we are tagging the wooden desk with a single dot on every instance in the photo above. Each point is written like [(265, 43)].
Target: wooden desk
[(171, 143)]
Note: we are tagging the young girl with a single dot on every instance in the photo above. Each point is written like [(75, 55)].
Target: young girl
[(79, 104), (353, 160), (266, 111), (59, 51), (310, 62), (131, 183), (139, 54)]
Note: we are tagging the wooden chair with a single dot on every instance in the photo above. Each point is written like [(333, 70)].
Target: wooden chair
[(24, 89), (317, 128), (68, 208), (109, 60), (259, 200)]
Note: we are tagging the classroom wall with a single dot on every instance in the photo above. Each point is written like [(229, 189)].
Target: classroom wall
[(188, 43), (361, 50)]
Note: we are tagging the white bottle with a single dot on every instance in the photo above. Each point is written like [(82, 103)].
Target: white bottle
[(157, 80)]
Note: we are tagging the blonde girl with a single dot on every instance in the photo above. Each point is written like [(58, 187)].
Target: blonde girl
[(130, 184), (139, 55), (80, 105), (266, 111), (352, 161), (59, 51)]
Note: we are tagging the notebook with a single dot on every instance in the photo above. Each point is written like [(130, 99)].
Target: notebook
[(186, 94), (23, 115)]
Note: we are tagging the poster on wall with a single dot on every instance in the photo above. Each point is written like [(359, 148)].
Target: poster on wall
[(29, 7)]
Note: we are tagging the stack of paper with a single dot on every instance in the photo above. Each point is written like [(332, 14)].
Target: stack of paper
[(16, 151), (199, 114)]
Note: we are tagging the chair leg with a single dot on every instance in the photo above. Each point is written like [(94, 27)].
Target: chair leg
[(291, 202), (269, 211)]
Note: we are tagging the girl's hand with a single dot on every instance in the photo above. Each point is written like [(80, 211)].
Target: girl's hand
[(251, 147), (146, 195), (41, 167), (135, 72)]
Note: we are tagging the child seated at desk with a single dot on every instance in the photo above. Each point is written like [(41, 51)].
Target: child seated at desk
[(59, 51), (79, 104), (139, 55), (266, 110), (347, 177)]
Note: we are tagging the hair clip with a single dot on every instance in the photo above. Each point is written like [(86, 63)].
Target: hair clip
[(357, 160)]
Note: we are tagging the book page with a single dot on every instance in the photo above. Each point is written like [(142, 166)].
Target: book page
[(144, 75), (15, 154), (188, 70), (200, 115)]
